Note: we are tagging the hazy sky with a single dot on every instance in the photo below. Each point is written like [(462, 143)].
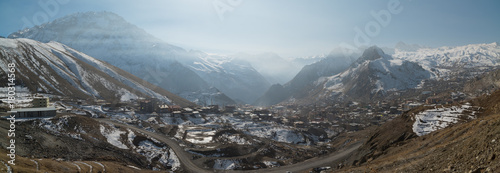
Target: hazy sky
[(287, 27)]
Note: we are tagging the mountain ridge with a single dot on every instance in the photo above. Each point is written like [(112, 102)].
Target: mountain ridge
[(58, 69), (108, 37)]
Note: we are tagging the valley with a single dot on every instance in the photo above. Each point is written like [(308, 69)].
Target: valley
[(92, 92)]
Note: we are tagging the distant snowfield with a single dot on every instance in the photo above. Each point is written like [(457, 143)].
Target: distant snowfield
[(473, 55), (438, 118), (409, 69)]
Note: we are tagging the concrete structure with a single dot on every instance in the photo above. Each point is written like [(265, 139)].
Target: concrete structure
[(146, 106), (409, 106), (229, 109), (34, 112), (40, 102)]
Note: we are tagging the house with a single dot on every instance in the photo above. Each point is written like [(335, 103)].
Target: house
[(409, 106), (146, 106), (40, 102), (298, 124), (432, 100), (164, 109), (212, 109), (229, 109), (174, 108), (34, 112)]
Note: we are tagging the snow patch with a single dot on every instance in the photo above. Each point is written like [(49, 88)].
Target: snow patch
[(113, 136), (228, 164), (439, 118)]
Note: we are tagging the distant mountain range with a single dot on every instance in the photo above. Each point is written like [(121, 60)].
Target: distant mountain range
[(194, 74), (375, 73), (304, 83), (243, 78), (57, 69)]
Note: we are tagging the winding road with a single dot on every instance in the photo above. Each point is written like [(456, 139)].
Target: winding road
[(189, 166)]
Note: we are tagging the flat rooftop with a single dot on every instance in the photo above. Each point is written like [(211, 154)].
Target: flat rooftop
[(33, 109)]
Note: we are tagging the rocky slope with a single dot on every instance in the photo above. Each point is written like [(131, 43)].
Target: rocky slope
[(72, 143), (469, 144), (235, 77), (302, 84), (372, 75), (60, 70)]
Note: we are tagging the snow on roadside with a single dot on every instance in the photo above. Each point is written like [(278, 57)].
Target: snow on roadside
[(226, 164), (131, 135), (173, 160), (438, 118), (165, 155), (113, 136), (149, 150), (271, 164)]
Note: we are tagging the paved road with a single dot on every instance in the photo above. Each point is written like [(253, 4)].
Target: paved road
[(185, 158)]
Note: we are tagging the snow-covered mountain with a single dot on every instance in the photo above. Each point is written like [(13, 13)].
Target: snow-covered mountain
[(468, 56), (110, 38), (373, 74), (304, 82), (233, 76), (60, 70)]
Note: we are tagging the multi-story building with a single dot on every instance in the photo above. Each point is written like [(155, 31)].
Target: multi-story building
[(40, 102)]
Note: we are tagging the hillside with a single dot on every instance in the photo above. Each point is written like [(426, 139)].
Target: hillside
[(465, 145), (74, 143), (372, 75), (57, 69)]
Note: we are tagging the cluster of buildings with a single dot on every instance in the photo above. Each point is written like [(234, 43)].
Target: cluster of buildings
[(151, 106), (40, 108)]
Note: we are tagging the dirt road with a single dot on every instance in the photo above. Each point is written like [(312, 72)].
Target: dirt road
[(189, 166)]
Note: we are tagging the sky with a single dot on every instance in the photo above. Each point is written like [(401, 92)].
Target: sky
[(290, 28)]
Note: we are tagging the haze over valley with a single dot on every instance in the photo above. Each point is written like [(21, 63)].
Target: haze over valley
[(249, 86)]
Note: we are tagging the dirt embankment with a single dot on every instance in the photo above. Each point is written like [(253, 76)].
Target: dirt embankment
[(472, 146), (34, 141)]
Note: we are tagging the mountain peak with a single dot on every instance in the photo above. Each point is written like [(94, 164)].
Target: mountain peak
[(89, 24), (372, 53), (92, 14)]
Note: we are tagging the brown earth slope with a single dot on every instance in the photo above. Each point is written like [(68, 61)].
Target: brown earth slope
[(464, 147)]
